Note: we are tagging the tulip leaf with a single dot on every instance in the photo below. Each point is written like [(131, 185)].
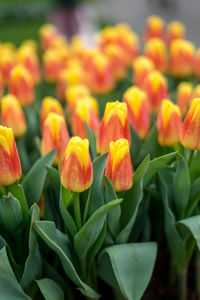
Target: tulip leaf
[(194, 197), (194, 167), (9, 286), (54, 175), (58, 242), (128, 267), (193, 224), (33, 265), (132, 199), (33, 182), (90, 231), (96, 198), (115, 213), (156, 164), (92, 141), (181, 185), (136, 144), (50, 289)]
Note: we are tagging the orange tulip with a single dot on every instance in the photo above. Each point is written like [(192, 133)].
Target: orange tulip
[(142, 66), (156, 50), (169, 124), (113, 126), (184, 96), (55, 135), (77, 172), (10, 167), (138, 115), (47, 33), (75, 93), (115, 56), (49, 105), (154, 28), (119, 167), (175, 30), (53, 61), (12, 115), (8, 61), (197, 64), (196, 92), (190, 137)]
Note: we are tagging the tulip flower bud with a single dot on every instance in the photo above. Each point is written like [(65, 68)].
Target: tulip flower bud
[(119, 167), (155, 86), (7, 62), (77, 172), (181, 58), (114, 125), (154, 28), (138, 115), (21, 85), (169, 124), (74, 93), (85, 110), (115, 56), (55, 135), (190, 137), (155, 49), (10, 167), (47, 33), (184, 96), (1, 85), (49, 105), (197, 64), (142, 66), (175, 30), (12, 115), (196, 92)]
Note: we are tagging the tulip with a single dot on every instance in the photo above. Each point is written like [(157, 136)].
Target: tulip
[(74, 93), (181, 58), (138, 115), (47, 33), (85, 110), (21, 85), (10, 167), (49, 105), (119, 167), (1, 84), (196, 92), (169, 124), (190, 137), (115, 56), (77, 47), (156, 50), (12, 115), (155, 85), (8, 61), (55, 135), (197, 64), (113, 126), (184, 96), (175, 30), (154, 28), (77, 172), (142, 66)]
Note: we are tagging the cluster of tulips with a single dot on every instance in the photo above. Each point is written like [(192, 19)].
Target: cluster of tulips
[(91, 186)]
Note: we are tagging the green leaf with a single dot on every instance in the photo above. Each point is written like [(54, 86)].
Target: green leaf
[(54, 175), (194, 167), (92, 141), (50, 289), (128, 267), (156, 164), (194, 197), (96, 198), (115, 213), (33, 265), (193, 224), (33, 182), (136, 144), (9, 286), (59, 243), (90, 231), (181, 185), (131, 202)]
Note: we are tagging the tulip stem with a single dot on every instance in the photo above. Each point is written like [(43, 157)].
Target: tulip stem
[(3, 190), (197, 273), (77, 210), (182, 285), (190, 157)]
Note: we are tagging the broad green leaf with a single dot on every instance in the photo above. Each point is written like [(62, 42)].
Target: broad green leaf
[(193, 224), (115, 213), (194, 197), (131, 202), (156, 164), (96, 198), (92, 141), (47, 231), (9, 286), (50, 289), (54, 175), (33, 265), (90, 231), (128, 267), (136, 144), (33, 182), (181, 185), (195, 167)]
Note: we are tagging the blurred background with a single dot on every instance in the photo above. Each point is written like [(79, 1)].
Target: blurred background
[(21, 19)]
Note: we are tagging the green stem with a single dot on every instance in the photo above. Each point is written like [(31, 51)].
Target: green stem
[(197, 273), (182, 285), (77, 211), (172, 274), (3, 190), (190, 157)]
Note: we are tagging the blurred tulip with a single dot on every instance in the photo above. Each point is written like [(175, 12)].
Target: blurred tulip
[(197, 64), (154, 28), (74, 93), (190, 137), (156, 50), (142, 66), (8, 61), (113, 126), (77, 172), (21, 85), (55, 135), (196, 92), (10, 167), (175, 30), (49, 105), (12, 115), (138, 115), (47, 33), (119, 167), (169, 124), (184, 96)]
